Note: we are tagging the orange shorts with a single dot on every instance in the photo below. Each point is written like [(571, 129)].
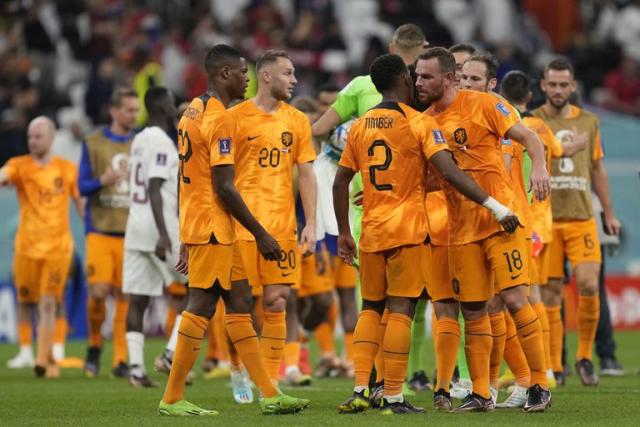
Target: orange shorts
[(211, 263), (440, 284), (177, 289), (261, 272), (397, 272), (540, 266), (36, 277), (344, 275), (312, 283), (104, 259), (576, 241), (500, 260)]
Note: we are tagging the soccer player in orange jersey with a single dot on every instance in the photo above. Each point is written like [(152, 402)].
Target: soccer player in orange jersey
[(44, 244), (208, 204), (388, 145), (472, 123), (273, 137), (574, 229)]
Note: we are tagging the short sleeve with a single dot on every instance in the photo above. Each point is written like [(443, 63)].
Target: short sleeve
[(598, 152), (221, 138), (555, 146), (348, 158), (12, 171), (305, 152), (496, 114), (346, 104), (159, 160)]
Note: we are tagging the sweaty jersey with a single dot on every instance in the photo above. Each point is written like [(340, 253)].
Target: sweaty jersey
[(44, 192), (206, 138), (268, 145), (472, 126), (388, 146), (571, 176), (541, 210), (153, 155)]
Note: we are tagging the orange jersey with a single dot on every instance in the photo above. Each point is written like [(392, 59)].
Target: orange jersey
[(436, 203), (516, 151), (388, 146), (472, 126), (44, 192), (206, 138), (541, 211), (268, 147)]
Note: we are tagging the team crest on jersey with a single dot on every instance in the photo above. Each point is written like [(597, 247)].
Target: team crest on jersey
[(460, 135), (161, 159), (438, 137), (287, 139), (224, 145), (57, 183), (503, 109)]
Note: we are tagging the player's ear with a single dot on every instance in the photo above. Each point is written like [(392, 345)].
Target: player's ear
[(492, 83), (529, 96), (225, 71)]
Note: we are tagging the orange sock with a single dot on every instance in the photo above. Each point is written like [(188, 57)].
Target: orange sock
[(556, 329), (514, 356), (395, 350), (366, 342), (324, 337), (541, 312), (274, 332), (291, 353), (220, 335), (169, 321), (25, 336), (588, 316), (530, 337), (95, 317), (212, 342), (60, 333), (499, 338), (258, 314), (120, 332), (234, 357), (245, 341), (190, 334), (379, 360), (348, 346), (477, 348), (447, 339)]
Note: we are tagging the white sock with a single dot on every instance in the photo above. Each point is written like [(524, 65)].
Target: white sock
[(135, 346), (57, 349), (173, 339), (359, 388), (224, 364), (293, 369), (394, 398), (550, 374), (26, 351)]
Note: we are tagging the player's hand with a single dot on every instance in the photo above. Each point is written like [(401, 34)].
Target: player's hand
[(539, 183), (269, 247), (308, 239), (612, 225), (183, 260), (162, 247), (580, 139), (358, 198), (111, 176), (510, 223), (346, 248)]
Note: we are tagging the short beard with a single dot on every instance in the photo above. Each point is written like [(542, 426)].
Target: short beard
[(556, 105)]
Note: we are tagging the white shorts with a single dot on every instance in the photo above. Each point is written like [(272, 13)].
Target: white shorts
[(146, 274), (325, 170)]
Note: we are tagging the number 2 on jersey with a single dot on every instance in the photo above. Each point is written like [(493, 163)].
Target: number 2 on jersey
[(382, 167), (184, 140)]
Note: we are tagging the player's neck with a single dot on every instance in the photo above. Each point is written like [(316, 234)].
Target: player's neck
[(562, 112), (521, 107), (266, 102), (43, 159), (221, 96), (447, 99), (157, 122), (116, 129)]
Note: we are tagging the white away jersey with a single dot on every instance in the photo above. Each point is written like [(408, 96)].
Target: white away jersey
[(153, 155)]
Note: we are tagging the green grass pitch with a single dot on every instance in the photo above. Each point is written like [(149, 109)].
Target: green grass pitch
[(75, 400)]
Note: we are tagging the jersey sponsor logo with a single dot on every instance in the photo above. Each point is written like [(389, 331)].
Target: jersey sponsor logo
[(287, 139), (224, 145), (460, 135), (503, 109), (161, 159), (438, 136)]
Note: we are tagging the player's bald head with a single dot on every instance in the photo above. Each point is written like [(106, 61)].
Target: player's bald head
[(221, 55), (40, 134), (43, 124)]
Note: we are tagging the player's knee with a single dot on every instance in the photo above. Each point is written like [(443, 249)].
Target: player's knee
[(203, 307), (588, 287), (275, 298), (377, 306), (47, 305), (495, 305), (446, 308), (402, 305), (473, 310), (99, 291), (514, 298)]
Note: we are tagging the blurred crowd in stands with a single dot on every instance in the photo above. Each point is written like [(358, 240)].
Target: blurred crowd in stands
[(63, 58)]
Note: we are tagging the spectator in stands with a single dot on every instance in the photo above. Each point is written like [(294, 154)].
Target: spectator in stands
[(622, 88)]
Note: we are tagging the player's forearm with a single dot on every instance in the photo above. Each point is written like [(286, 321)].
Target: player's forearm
[(341, 202), (155, 197), (326, 122), (308, 192), (535, 149), (444, 163), (233, 202), (4, 176), (79, 204), (600, 179)]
